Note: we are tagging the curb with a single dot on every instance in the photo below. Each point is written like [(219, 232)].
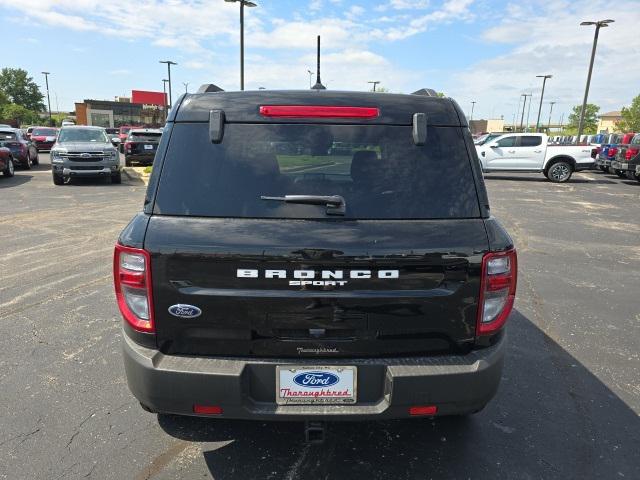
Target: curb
[(136, 174)]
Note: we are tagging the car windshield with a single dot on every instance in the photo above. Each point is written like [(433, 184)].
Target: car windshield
[(377, 170), (125, 129), (82, 135), (44, 131), (487, 138)]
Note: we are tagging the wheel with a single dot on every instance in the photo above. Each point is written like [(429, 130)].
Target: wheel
[(603, 168), (28, 164), (127, 162), (559, 172), (116, 178), (58, 179), (36, 160), (9, 169), (147, 408), (621, 174)]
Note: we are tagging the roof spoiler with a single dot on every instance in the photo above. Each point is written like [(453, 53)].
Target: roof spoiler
[(427, 92), (209, 88)]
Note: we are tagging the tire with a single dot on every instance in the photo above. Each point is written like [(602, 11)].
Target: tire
[(58, 179), (36, 160), (116, 178), (9, 170), (603, 168), (28, 164), (147, 408), (559, 172)]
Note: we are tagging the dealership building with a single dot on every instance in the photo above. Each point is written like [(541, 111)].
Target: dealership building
[(143, 108)]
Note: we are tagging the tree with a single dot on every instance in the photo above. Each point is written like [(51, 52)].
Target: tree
[(18, 114), (20, 89), (631, 117), (590, 118)]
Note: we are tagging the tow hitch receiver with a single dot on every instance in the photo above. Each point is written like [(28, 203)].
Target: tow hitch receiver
[(314, 432)]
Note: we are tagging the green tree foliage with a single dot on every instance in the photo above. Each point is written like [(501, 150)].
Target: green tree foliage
[(590, 118), (18, 114), (631, 117), (19, 88)]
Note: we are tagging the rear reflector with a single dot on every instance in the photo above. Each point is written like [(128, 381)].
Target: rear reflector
[(497, 290), (423, 410), (318, 111), (207, 409)]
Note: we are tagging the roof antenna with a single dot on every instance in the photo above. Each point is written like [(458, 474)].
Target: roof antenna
[(318, 85)]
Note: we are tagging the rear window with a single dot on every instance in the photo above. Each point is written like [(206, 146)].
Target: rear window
[(377, 169), (8, 136), (145, 136), (52, 132)]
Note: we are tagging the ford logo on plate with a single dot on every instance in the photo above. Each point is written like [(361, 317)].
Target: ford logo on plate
[(316, 379), (184, 311)]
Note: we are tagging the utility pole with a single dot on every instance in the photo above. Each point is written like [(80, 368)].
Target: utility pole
[(529, 109), (599, 24), (243, 3), (186, 84), (524, 103), (550, 111), (376, 82), (46, 79), (473, 104), (169, 63), (544, 81)]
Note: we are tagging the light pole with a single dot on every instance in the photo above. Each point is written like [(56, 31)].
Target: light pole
[(243, 3), (524, 103), (186, 84), (599, 24), (164, 89), (46, 80), (529, 110), (169, 63), (544, 81), (473, 104), (375, 82), (311, 74), (550, 110)]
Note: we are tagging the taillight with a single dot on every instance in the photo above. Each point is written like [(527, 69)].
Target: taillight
[(631, 152), (612, 151), (127, 145), (132, 279), (318, 111), (497, 290)]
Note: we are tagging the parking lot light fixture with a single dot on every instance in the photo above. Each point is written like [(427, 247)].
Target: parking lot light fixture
[(46, 79), (243, 3), (473, 104), (374, 83), (524, 103), (598, 24), (169, 63), (544, 81), (550, 111)]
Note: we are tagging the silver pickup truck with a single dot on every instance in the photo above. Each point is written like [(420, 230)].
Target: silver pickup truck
[(84, 152)]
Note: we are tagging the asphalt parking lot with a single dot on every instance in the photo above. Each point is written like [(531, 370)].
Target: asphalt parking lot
[(567, 408)]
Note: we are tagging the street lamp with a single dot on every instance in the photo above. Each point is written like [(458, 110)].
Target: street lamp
[(186, 84), (46, 79), (243, 3), (311, 74), (550, 110), (164, 89), (169, 63), (473, 104), (376, 82), (599, 24), (524, 103), (544, 80)]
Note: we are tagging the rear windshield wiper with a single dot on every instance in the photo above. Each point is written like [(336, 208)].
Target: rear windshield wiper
[(335, 203)]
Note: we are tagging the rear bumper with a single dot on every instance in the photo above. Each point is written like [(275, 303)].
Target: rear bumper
[(245, 388), (585, 166)]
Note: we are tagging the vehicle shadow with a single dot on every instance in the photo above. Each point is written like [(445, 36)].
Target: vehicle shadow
[(552, 418), (19, 178), (92, 181), (541, 178)]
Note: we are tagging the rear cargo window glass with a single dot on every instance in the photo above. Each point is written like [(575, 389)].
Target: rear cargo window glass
[(145, 136), (377, 169)]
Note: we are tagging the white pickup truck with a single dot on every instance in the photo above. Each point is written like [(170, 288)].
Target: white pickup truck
[(529, 152)]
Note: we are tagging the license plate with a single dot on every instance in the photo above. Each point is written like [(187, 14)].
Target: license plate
[(148, 147), (624, 166), (298, 385)]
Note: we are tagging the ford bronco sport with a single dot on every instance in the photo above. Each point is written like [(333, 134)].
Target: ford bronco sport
[(314, 255)]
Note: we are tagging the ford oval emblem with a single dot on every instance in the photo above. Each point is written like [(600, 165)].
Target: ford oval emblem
[(182, 310), (316, 379)]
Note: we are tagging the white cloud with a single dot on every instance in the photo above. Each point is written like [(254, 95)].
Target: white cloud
[(194, 65), (315, 5), (120, 71)]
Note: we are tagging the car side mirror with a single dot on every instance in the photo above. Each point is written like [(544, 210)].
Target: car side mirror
[(493, 145), (115, 140)]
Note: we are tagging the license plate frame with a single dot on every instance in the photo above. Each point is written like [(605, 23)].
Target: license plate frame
[(347, 378)]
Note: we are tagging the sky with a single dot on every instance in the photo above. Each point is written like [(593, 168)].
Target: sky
[(482, 51)]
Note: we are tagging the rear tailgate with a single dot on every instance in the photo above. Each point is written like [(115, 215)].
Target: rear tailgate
[(417, 290)]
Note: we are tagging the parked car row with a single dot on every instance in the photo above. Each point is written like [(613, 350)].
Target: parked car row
[(17, 150), (620, 155)]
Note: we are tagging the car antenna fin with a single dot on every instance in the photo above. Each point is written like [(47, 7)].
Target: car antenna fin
[(419, 128), (216, 125)]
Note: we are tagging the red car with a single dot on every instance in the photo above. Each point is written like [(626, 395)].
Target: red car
[(44, 137), (6, 162)]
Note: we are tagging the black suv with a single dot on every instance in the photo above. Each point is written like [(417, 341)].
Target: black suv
[(315, 255)]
